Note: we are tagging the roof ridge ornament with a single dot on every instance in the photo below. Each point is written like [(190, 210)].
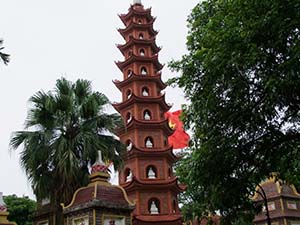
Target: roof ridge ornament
[(99, 165), (138, 2)]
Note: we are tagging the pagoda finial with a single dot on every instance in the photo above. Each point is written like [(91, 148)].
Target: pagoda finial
[(138, 2), (99, 165)]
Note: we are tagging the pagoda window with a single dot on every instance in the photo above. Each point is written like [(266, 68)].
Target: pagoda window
[(141, 36), (128, 175), (147, 115), (128, 93), (129, 73), (140, 21), (151, 172), (142, 52), (170, 172), (162, 114), (165, 141), (129, 53), (143, 71), (130, 36), (174, 206), (145, 91), (128, 117), (291, 205), (154, 206), (128, 145), (149, 142)]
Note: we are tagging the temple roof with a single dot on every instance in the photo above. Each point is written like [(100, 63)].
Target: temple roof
[(99, 193), (279, 195), (134, 77), (274, 189)]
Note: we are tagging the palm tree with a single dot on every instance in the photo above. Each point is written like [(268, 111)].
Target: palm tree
[(63, 132), (4, 57)]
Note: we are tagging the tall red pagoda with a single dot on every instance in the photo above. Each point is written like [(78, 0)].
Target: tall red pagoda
[(147, 176)]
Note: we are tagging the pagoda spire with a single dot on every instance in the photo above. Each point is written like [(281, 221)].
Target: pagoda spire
[(147, 176), (138, 2)]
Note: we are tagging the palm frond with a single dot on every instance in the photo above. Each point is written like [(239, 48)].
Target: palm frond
[(68, 126), (4, 57)]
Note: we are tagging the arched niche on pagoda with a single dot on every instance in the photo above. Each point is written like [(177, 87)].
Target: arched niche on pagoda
[(154, 206), (128, 71), (141, 35), (128, 53), (151, 172), (128, 94), (148, 67), (166, 143), (145, 91), (147, 115), (149, 143), (139, 20), (129, 145), (128, 175), (144, 70), (128, 117), (174, 206), (127, 38), (142, 108), (142, 52)]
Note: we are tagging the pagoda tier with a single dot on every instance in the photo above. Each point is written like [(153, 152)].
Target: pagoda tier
[(146, 27), (142, 60), (148, 175), (142, 42), (167, 153), (164, 220), (159, 100), (147, 125), (138, 78), (170, 184), (137, 14)]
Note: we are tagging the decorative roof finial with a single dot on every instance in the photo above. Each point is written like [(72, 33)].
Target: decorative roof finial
[(139, 2), (99, 165)]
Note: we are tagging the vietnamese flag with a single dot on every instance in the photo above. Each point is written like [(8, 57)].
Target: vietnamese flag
[(179, 139)]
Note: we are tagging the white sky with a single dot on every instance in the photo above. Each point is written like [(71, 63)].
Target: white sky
[(48, 39)]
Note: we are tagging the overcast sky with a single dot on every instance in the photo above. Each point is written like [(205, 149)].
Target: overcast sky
[(48, 39)]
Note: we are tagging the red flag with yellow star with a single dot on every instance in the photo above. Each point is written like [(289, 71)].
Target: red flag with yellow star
[(179, 139)]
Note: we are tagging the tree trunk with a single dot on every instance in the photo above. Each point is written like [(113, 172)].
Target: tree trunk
[(265, 199)]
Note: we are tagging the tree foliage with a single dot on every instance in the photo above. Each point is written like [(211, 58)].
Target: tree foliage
[(242, 77), (64, 131), (20, 209), (3, 56)]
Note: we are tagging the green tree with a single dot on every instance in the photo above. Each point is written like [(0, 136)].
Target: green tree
[(3, 56), (242, 77), (64, 130), (20, 209)]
